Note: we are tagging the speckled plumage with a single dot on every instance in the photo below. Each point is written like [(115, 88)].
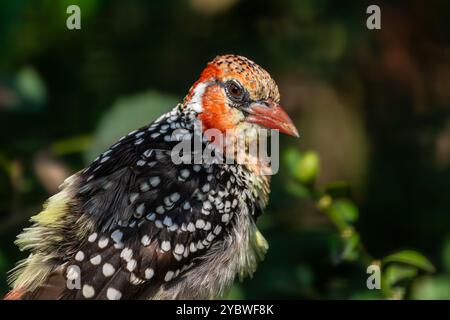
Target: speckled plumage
[(138, 226)]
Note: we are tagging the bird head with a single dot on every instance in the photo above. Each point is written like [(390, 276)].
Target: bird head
[(233, 92)]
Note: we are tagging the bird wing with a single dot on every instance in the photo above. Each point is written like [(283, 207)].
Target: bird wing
[(149, 219)]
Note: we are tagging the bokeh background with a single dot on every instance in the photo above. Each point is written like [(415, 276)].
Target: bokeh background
[(367, 183)]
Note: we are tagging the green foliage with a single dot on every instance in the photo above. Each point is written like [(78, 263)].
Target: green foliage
[(398, 269), (432, 288), (127, 114), (307, 168), (411, 258), (30, 86), (343, 213)]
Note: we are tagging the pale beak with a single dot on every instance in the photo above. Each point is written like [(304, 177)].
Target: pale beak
[(272, 116)]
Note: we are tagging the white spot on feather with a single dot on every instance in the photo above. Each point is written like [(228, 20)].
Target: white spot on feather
[(92, 237), (141, 163), (167, 221), (200, 224), (104, 159), (168, 276), (165, 245), (117, 236), (133, 197), (225, 217), (149, 273), (191, 227), (95, 260), (103, 242), (79, 256), (175, 197), (113, 294), (160, 209), (154, 181), (140, 209), (179, 248), (144, 187), (217, 230), (88, 291), (131, 265), (126, 254), (108, 269), (145, 240), (186, 205)]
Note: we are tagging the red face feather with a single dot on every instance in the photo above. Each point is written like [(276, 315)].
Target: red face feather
[(216, 113), (210, 72)]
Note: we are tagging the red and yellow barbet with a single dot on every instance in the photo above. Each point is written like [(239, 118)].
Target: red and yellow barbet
[(135, 225)]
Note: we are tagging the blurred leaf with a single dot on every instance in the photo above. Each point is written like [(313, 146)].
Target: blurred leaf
[(71, 145), (298, 190), (324, 202), (30, 86), (396, 273), (343, 212), (291, 159), (350, 251), (336, 246), (431, 288), (344, 247), (412, 258), (303, 166), (308, 167), (128, 114)]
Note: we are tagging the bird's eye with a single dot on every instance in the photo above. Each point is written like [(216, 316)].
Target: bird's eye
[(234, 90)]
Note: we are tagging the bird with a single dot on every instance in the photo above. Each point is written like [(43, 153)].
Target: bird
[(136, 225)]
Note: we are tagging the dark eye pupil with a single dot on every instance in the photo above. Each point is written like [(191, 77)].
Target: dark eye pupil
[(235, 90)]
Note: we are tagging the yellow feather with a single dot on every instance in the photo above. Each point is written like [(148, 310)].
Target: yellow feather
[(54, 209), (32, 271)]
